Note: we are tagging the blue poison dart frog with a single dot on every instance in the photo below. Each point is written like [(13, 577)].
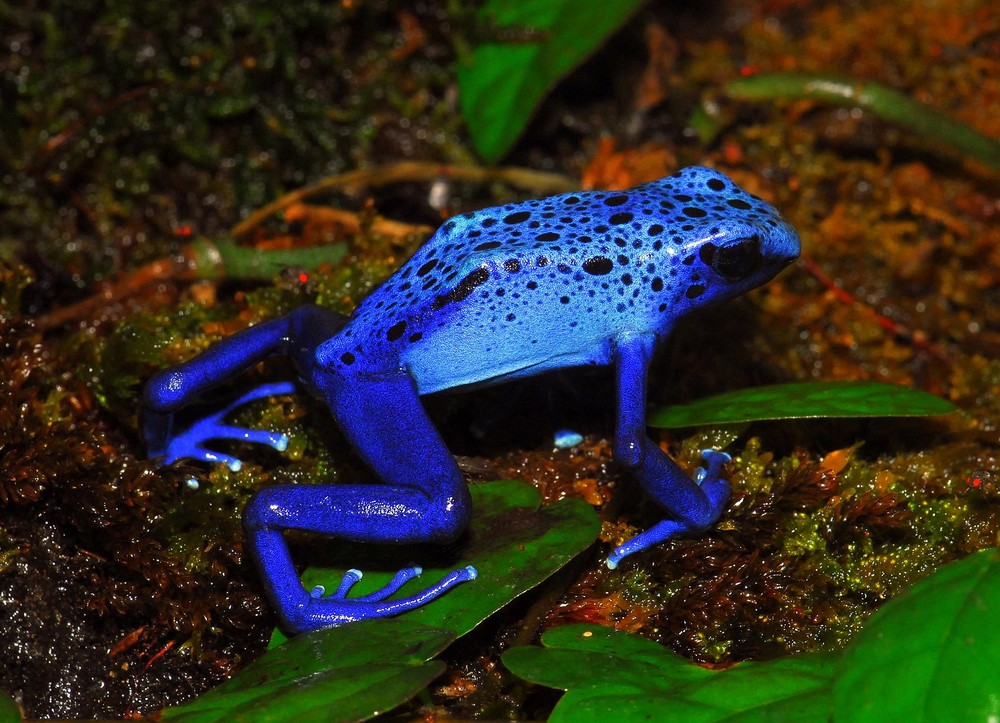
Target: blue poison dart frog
[(595, 278)]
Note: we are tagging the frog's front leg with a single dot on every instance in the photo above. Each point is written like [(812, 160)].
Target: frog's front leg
[(170, 390), (693, 505), (421, 498)]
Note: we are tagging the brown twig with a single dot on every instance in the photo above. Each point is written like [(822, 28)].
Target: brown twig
[(915, 337), (351, 222), (536, 181), (179, 267)]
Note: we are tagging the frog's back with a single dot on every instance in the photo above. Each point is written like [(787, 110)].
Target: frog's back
[(521, 288)]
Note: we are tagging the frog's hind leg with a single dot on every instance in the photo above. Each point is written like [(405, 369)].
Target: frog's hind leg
[(422, 498)]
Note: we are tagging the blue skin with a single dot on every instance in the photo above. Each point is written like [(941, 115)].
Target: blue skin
[(595, 278)]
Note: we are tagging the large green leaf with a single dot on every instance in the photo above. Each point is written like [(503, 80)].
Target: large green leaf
[(613, 675), (803, 399), (350, 673), (931, 654), (9, 712), (503, 82), (353, 672)]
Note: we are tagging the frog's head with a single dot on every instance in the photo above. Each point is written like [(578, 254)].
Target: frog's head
[(725, 241)]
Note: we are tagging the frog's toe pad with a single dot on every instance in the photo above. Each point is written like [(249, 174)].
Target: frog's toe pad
[(711, 472), (181, 447), (716, 455)]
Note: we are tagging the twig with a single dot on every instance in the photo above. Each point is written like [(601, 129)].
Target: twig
[(536, 181), (915, 337)]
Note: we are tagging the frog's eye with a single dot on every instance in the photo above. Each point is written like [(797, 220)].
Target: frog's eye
[(735, 260)]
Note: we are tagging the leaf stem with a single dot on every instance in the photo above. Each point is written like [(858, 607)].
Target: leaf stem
[(886, 103)]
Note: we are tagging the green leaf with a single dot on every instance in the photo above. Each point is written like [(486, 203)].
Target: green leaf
[(223, 257), (931, 654), (9, 711), (803, 399), (502, 84), (358, 670), (614, 675), (349, 673)]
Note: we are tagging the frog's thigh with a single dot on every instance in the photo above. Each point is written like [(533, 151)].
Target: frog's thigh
[(385, 421)]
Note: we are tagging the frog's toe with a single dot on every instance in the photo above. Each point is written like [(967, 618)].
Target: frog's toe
[(275, 440), (273, 389), (656, 534), (712, 483), (234, 463), (715, 459), (350, 579), (398, 580), (185, 446)]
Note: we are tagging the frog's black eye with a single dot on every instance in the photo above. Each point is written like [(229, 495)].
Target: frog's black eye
[(735, 260)]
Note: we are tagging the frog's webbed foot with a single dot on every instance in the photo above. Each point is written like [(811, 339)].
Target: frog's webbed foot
[(715, 489), (322, 610), (189, 442)]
